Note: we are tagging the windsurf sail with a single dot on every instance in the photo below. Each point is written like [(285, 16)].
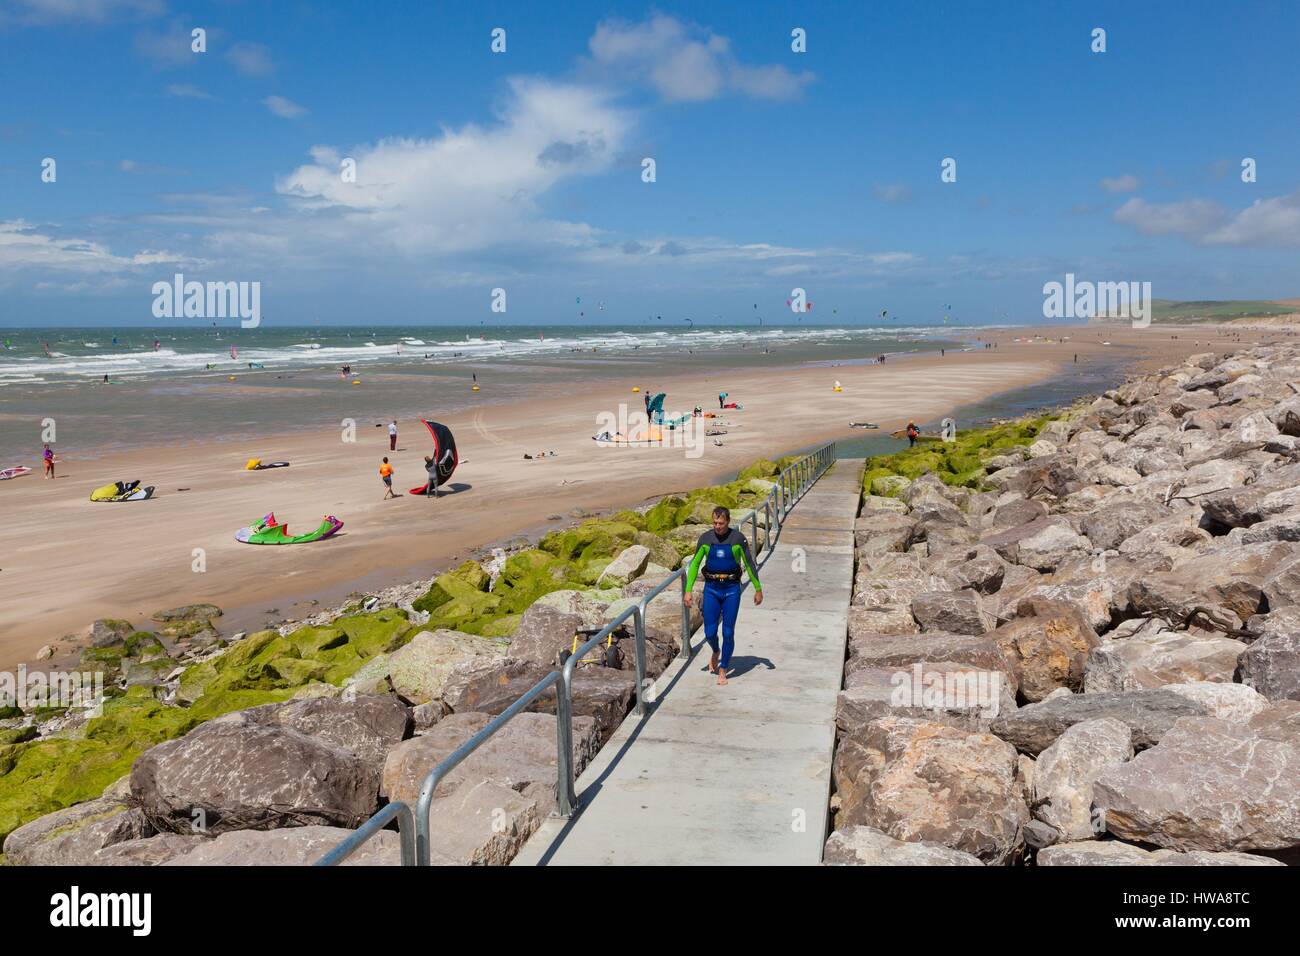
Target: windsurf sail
[(655, 409), (444, 450)]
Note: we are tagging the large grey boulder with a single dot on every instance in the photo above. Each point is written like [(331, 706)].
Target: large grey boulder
[(942, 691), (1046, 646), (879, 531), (367, 725), (240, 775), (543, 632), (72, 836), (1271, 664), (418, 669), (1115, 853), (865, 846), (884, 619), (1228, 584), (978, 568), (629, 564), (148, 851), (904, 650), (955, 612), (1236, 703), (1108, 526), (1165, 657), (1065, 772), (918, 780), (1148, 713), (1209, 785), (300, 846)]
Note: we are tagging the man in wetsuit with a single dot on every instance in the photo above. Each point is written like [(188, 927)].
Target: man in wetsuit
[(723, 552)]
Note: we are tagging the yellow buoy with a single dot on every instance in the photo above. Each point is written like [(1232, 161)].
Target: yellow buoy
[(474, 389), (356, 381), (232, 378), (636, 388)]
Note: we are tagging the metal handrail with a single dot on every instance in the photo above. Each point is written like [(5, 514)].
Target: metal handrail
[(405, 830), (790, 485)]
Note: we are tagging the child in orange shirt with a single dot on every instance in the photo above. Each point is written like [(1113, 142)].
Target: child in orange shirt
[(386, 473)]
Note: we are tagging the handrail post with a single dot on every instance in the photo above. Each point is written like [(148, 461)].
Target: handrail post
[(685, 652), (566, 800), (639, 625)]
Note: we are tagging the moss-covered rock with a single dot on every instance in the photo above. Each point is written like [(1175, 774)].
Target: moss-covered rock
[(763, 468), (266, 661), (460, 583), (595, 538), (685, 538), (664, 516), (143, 645), (958, 463), (661, 552), (17, 735), (526, 576)]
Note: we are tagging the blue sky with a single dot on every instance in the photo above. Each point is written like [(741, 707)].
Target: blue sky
[(522, 170)]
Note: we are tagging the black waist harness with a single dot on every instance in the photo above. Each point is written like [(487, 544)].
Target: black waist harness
[(722, 577)]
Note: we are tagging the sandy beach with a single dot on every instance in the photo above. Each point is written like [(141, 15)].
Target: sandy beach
[(69, 561)]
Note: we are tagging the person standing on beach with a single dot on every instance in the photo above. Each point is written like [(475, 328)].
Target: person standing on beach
[(392, 436), (723, 552), (48, 455), (386, 473), (431, 467), (912, 434)]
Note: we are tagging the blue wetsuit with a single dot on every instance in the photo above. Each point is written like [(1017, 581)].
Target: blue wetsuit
[(722, 558)]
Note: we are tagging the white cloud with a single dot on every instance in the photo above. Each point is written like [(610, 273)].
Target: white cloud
[(44, 12), (1191, 217), (251, 59), (1119, 184), (186, 91), (167, 48), (473, 187), (892, 192), (22, 246), (286, 109), (1266, 222), (685, 63)]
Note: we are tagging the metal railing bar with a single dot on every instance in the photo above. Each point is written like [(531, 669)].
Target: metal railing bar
[(405, 830)]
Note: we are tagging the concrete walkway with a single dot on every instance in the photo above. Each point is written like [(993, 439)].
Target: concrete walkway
[(738, 774)]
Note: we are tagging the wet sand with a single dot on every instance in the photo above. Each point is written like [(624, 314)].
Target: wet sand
[(67, 561)]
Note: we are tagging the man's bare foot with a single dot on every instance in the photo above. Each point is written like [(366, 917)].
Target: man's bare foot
[(713, 663), (722, 677)]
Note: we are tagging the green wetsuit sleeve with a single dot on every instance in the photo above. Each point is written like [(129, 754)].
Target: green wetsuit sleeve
[(700, 554), (741, 552)]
